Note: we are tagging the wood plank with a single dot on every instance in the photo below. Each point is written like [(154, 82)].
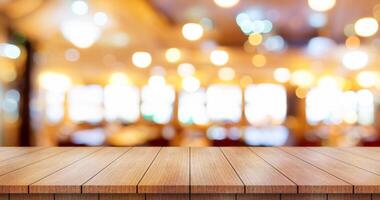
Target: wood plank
[(31, 197), (213, 197), (368, 152), (19, 180), (353, 159), (349, 197), (11, 152), (169, 172), (363, 181), (116, 179), (167, 197), (211, 172), (76, 197), (304, 197), (71, 178), (257, 175), (122, 197), (4, 197), (308, 178), (30, 158), (258, 197)]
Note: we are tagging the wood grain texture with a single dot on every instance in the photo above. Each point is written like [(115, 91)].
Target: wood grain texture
[(11, 152), (169, 172), (4, 197), (31, 197), (19, 180), (213, 197), (257, 175), (71, 178), (368, 152), (212, 173), (363, 181), (122, 197), (349, 197), (304, 197), (123, 175), (350, 158), (76, 197), (167, 197), (21, 161), (258, 197), (308, 178)]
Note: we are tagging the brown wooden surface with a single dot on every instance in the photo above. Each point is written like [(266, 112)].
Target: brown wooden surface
[(207, 173), (212, 173), (257, 175), (169, 172), (11, 152), (309, 178), (18, 181), (116, 179), (362, 180)]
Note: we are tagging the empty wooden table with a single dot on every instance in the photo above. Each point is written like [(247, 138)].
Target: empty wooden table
[(196, 173)]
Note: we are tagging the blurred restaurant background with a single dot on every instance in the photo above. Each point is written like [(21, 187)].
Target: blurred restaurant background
[(189, 73)]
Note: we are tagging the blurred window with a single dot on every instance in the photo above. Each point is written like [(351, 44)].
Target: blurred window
[(86, 104), (192, 108), (265, 104), (121, 102), (224, 103)]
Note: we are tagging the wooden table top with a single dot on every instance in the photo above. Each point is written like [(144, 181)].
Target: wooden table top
[(156, 170)]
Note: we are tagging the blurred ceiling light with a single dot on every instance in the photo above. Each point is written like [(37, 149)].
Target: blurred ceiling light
[(54, 81), (352, 42), (141, 59), (226, 3), (79, 7), (321, 5), (317, 19), (219, 57), (255, 39), (259, 60), (282, 75), (302, 78), (186, 69), (81, 33), (9, 51), (100, 18), (72, 55), (119, 78), (320, 46), (366, 27), (355, 60), (367, 79), (190, 84), (173, 55), (226, 74), (157, 81), (192, 31)]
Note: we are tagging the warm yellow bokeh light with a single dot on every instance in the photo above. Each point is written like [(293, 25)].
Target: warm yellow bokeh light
[(301, 92), (185, 69), (259, 60), (190, 84), (226, 3), (366, 27), (219, 57), (281, 75), (173, 55), (255, 39), (54, 81), (367, 79), (119, 78), (302, 78), (156, 81), (226, 74), (329, 82), (321, 5), (192, 31), (141, 59), (352, 42), (354, 60)]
